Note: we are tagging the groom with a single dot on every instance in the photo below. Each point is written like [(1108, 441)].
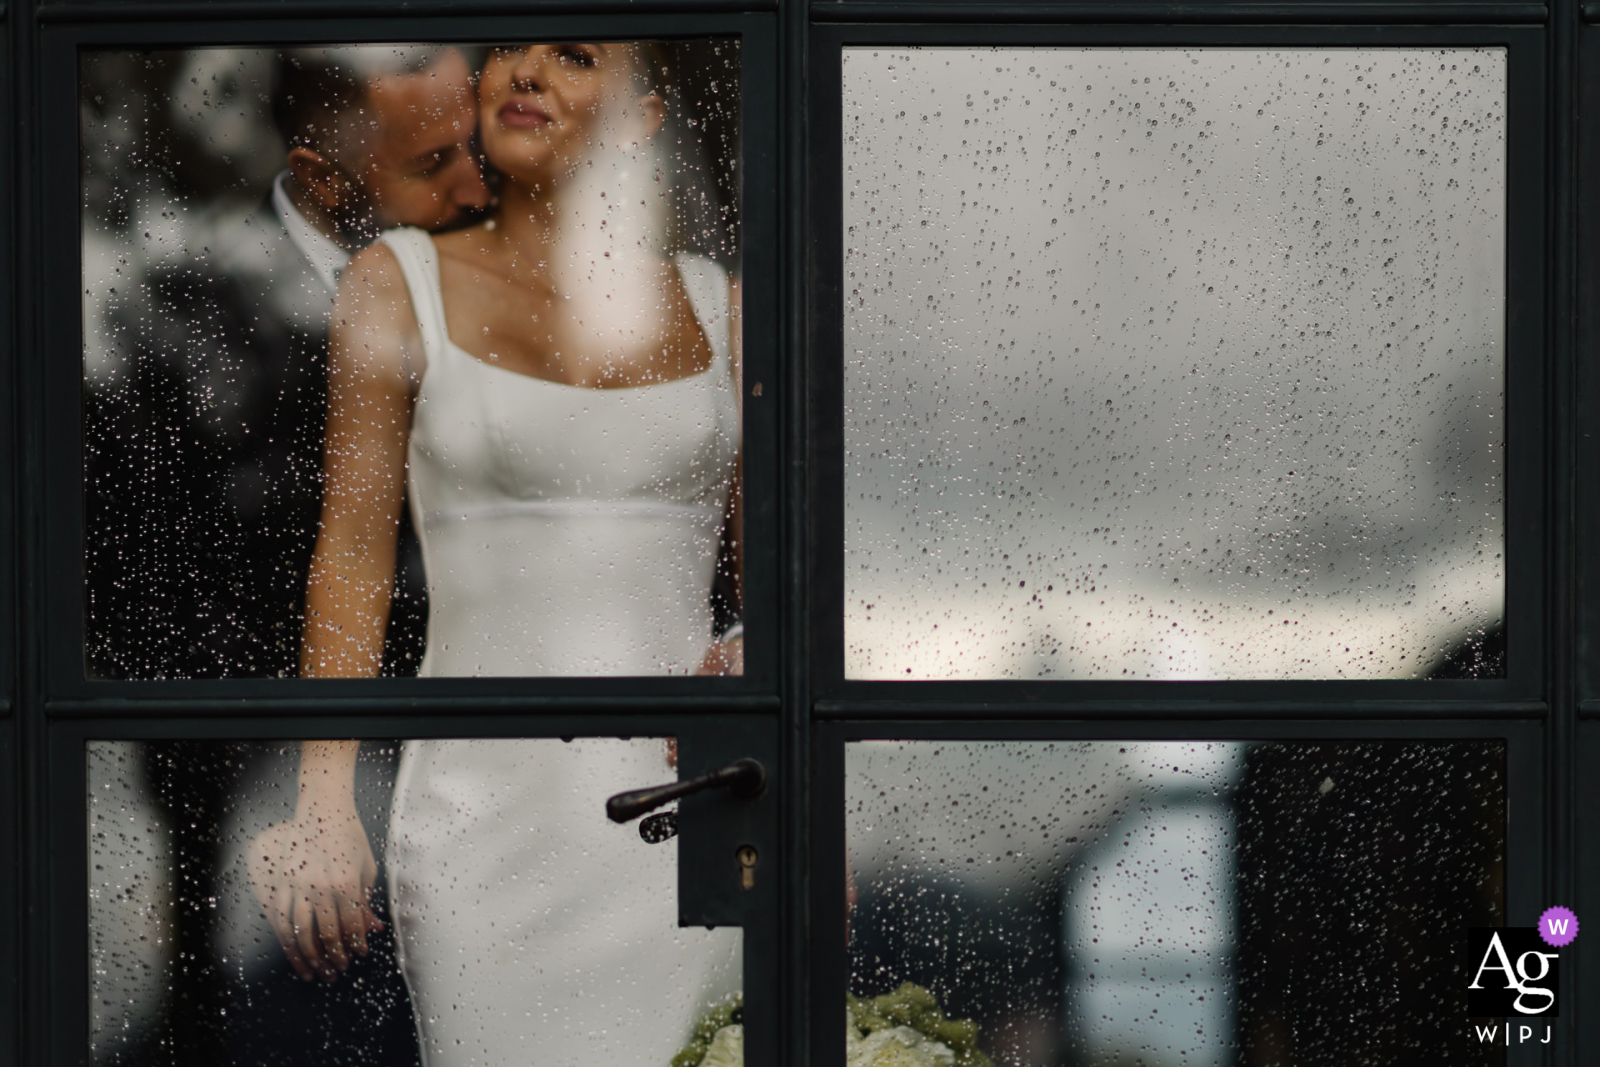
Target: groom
[(204, 458)]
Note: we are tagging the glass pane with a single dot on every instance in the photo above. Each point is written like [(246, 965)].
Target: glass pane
[(511, 921), (1174, 363), (1163, 903), (515, 448)]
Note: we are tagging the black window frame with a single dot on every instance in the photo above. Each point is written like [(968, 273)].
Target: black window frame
[(795, 702), (1530, 709), (1523, 770), (1524, 366), (61, 330), (718, 718)]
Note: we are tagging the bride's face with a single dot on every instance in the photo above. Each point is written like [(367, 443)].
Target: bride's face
[(544, 107)]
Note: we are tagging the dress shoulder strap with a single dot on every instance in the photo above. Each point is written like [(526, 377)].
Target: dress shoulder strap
[(419, 262), (707, 285)]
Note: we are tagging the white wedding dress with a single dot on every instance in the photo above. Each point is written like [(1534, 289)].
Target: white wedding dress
[(565, 531)]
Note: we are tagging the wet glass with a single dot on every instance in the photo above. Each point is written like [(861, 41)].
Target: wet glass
[(511, 920), (536, 250), (1166, 903), (1174, 364)]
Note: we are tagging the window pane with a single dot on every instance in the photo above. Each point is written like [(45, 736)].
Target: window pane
[(1180, 903), (518, 440), (1174, 364), (524, 925)]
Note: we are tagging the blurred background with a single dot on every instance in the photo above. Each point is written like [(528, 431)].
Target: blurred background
[(1174, 364), (1181, 904), (185, 968)]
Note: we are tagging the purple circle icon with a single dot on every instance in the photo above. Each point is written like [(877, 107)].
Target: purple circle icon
[(1558, 926)]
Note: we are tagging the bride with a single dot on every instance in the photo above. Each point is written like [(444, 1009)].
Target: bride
[(564, 401)]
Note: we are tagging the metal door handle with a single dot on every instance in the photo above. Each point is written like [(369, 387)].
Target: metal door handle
[(744, 778)]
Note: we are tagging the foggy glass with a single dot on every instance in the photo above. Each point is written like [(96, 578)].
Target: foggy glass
[(1210, 904), (600, 506), (518, 921), (1174, 364)]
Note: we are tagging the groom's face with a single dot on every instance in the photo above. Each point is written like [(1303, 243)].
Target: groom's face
[(421, 169), (405, 155)]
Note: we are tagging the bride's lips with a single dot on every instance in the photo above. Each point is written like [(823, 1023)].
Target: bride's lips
[(522, 114)]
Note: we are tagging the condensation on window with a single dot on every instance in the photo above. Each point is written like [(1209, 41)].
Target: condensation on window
[(563, 219), (505, 918), (1205, 904), (1174, 364)]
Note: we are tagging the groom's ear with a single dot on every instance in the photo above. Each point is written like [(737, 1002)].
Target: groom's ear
[(653, 110), (322, 180)]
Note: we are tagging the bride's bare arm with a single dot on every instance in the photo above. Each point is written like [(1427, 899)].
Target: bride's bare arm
[(372, 348), (313, 874)]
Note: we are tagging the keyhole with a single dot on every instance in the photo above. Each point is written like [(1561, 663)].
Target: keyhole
[(747, 866)]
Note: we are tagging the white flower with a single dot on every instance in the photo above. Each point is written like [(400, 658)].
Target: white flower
[(897, 1047), (727, 1048)]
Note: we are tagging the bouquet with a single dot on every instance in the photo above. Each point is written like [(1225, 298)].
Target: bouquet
[(904, 1028)]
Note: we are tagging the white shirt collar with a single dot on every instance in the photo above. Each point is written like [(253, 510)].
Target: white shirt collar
[(320, 250)]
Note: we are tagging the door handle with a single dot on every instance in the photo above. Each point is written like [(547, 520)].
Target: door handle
[(744, 778)]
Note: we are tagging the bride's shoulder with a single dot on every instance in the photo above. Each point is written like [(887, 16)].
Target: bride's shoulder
[(378, 260), (373, 272), (374, 333), (469, 243)]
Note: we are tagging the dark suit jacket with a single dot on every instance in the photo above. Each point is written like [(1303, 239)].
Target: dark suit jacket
[(203, 464)]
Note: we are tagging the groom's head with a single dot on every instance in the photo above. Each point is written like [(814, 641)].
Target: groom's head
[(380, 136)]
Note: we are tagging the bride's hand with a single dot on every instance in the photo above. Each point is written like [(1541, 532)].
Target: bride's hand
[(724, 657), (313, 875)]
